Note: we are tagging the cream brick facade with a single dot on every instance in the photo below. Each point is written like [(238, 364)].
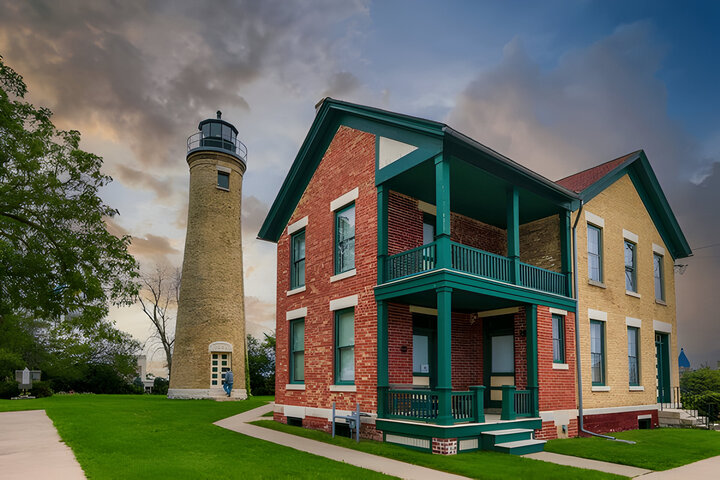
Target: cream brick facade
[(621, 208), (211, 308)]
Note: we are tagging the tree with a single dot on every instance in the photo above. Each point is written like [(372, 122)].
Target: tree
[(261, 364), (56, 255), (158, 298)]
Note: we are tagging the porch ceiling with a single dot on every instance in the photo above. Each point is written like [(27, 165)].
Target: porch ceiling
[(462, 301), (474, 193)]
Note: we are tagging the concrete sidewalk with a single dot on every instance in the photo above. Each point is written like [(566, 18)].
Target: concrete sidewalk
[(708, 469), (588, 463), (238, 423), (30, 447)]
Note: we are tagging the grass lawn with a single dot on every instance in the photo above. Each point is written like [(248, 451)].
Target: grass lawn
[(484, 465), (658, 449), (148, 436)]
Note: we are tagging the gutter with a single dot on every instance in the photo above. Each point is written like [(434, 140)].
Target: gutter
[(578, 363)]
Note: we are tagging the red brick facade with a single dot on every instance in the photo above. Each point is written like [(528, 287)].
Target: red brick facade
[(557, 387), (617, 422), (353, 153)]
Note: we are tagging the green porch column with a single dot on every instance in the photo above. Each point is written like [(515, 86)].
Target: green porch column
[(532, 356), (442, 204), (513, 233), (444, 355), (565, 250), (382, 231), (383, 381)]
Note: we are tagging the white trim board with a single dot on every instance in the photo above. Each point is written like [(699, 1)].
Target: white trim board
[(557, 311), (423, 310), (633, 322), (594, 219), (628, 235), (345, 302), (344, 199), (658, 249), (297, 313), (597, 315), (497, 312), (299, 225), (663, 327)]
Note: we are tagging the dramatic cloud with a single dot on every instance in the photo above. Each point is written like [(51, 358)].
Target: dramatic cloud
[(599, 103), (259, 316), (151, 248)]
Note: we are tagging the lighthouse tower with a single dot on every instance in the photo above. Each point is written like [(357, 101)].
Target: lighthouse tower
[(210, 330)]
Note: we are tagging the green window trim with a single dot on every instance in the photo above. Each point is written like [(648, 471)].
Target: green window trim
[(345, 346), (597, 352), (297, 260), (345, 239), (633, 356), (595, 260), (297, 351), (558, 337), (630, 266), (659, 275)]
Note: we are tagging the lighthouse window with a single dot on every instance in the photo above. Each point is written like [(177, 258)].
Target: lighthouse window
[(223, 180)]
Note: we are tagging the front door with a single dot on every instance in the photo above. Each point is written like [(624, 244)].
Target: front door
[(499, 358), (424, 350), (662, 356)]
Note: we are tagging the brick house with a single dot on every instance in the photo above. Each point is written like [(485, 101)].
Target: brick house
[(430, 279)]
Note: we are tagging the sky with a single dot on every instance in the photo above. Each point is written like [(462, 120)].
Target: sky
[(558, 86)]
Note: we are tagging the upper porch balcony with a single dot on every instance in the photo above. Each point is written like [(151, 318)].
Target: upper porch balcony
[(475, 262), (465, 217)]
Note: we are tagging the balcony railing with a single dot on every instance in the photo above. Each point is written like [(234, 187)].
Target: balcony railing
[(475, 262), (411, 262), (541, 279), (480, 263)]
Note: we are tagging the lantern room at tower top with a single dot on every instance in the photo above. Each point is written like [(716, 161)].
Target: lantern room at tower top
[(215, 134)]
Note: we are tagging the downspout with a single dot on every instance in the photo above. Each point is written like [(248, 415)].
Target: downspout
[(578, 366)]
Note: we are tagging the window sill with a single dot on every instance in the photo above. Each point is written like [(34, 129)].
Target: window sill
[(296, 290), (596, 284), (661, 302), (561, 366), (632, 294), (340, 276), (343, 388), (222, 188), (295, 386), (600, 388), (637, 388)]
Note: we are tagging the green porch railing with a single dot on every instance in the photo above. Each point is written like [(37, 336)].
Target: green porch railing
[(516, 403), (479, 262), (420, 259), (541, 279), (412, 404), (422, 405)]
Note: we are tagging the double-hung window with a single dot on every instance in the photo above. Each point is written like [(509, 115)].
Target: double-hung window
[(345, 346), (558, 338), (223, 180), (297, 260), (658, 274), (594, 238), (597, 352), (630, 266), (297, 351), (345, 239), (633, 365)]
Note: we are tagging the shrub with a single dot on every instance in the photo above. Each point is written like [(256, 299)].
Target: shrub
[(160, 386), (707, 404), (9, 389), (9, 362), (41, 389)]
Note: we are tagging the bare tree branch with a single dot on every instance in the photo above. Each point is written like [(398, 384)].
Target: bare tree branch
[(158, 299)]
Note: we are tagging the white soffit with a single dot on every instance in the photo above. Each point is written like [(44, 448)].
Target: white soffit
[(390, 150)]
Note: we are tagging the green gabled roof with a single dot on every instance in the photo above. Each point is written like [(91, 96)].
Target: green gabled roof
[(589, 183), (427, 134)]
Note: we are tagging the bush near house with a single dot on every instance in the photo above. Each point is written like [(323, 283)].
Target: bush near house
[(160, 386)]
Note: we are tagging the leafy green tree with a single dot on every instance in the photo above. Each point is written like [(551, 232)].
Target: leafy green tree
[(56, 255), (261, 364), (701, 381)]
